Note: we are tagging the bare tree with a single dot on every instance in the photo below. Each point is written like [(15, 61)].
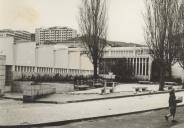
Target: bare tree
[(161, 31), (93, 27), (181, 60), (181, 50)]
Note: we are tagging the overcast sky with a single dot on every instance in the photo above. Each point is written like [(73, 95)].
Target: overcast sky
[(125, 16)]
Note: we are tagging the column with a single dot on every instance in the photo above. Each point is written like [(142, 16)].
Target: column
[(138, 66), (54, 60), (145, 65), (80, 62), (14, 56), (128, 63), (135, 66), (149, 67), (142, 66), (36, 59), (68, 66)]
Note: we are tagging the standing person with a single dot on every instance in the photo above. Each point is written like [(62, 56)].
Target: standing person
[(172, 105)]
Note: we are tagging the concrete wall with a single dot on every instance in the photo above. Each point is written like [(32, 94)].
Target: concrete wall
[(74, 60), (61, 58), (45, 56), (6, 48), (178, 72), (2, 74), (51, 56), (86, 62), (19, 86), (25, 53)]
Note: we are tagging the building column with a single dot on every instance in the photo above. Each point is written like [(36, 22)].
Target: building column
[(149, 67), (36, 59), (54, 60), (142, 66), (127, 63), (14, 56), (80, 57), (68, 65), (145, 67), (138, 66), (135, 66)]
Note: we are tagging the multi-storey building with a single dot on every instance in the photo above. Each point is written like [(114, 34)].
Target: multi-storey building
[(16, 34), (54, 34)]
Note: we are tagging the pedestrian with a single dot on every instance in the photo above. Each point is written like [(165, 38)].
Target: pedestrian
[(172, 105)]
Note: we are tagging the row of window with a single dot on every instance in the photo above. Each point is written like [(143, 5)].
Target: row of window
[(119, 53), (53, 32), (55, 37), (50, 70), (58, 34)]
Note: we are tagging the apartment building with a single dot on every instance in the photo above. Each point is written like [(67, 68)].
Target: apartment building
[(54, 35), (16, 34)]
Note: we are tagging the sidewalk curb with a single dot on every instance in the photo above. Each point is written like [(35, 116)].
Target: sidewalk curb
[(116, 97), (104, 98), (59, 123), (95, 99), (12, 98)]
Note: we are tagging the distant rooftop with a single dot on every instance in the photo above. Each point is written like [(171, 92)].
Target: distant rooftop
[(111, 43), (123, 44), (11, 30), (56, 27)]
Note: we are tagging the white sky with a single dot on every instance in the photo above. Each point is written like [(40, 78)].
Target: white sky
[(125, 16)]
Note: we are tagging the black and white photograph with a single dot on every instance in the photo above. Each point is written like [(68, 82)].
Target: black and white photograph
[(91, 63)]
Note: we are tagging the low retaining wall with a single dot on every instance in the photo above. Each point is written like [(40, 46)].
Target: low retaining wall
[(36, 91), (19, 86)]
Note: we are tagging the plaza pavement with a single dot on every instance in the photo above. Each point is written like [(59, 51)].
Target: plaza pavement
[(31, 114), (122, 90), (150, 119)]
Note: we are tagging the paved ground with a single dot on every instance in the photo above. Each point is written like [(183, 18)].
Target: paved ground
[(152, 119), (120, 90), (44, 113)]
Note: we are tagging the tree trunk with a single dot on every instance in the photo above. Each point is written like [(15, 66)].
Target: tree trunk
[(169, 72), (95, 66), (162, 78)]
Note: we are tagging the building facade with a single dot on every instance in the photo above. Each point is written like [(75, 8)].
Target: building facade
[(54, 34), (26, 58), (2, 73), (16, 34), (137, 58)]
